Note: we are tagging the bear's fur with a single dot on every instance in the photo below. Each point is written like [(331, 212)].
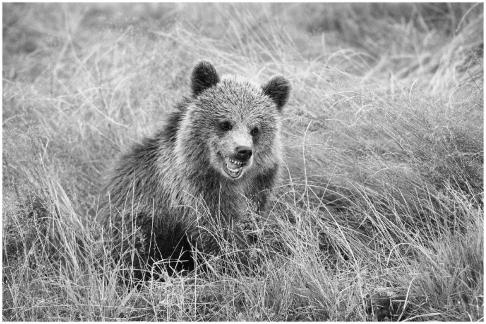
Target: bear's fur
[(166, 191)]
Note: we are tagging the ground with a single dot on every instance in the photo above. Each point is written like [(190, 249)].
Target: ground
[(379, 214)]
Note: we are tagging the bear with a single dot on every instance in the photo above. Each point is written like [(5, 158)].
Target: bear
[(218, 156)]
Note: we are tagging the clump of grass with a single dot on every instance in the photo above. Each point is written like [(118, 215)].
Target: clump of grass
[(379, 213)]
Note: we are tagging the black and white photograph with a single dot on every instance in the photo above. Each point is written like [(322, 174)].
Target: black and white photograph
[(225, 161)]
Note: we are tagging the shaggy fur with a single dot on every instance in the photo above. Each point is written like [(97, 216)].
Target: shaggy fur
[(166, 192)]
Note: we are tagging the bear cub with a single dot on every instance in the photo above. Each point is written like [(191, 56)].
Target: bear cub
[(217, 158)]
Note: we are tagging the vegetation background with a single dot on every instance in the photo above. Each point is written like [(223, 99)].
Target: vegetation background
[(379, 215)]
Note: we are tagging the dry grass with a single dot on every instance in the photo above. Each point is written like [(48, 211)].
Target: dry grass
[(379, 216)]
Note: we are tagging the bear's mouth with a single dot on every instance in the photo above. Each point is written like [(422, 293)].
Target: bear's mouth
[(233, 168)]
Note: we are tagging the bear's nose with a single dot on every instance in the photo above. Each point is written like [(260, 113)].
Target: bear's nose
[(243, 153)]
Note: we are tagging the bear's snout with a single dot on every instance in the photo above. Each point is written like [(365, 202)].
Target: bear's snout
[(243, 153)]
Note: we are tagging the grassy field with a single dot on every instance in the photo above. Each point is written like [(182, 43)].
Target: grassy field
[(379, 214)]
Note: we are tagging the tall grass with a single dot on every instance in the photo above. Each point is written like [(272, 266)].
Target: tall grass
[(379, 214)]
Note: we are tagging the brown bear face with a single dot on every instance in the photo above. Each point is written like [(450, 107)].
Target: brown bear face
[(243, 127), (232, 123)]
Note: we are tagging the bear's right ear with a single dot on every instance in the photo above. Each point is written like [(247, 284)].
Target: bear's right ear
[(203, 76), (278, 89)]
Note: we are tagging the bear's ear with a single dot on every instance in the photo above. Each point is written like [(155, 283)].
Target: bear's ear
[(278, 88), (203, 76)]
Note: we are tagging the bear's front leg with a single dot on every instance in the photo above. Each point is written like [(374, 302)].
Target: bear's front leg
[(263, 188)]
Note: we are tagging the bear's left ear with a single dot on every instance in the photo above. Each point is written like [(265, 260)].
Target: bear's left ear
[(203, 76), (278, 88)]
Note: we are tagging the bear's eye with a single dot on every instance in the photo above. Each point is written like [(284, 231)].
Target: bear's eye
[(254, 131), (225, 126)]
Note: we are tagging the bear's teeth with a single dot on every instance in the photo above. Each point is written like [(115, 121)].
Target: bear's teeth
[(235, 162), (233, 167), (233, 170)]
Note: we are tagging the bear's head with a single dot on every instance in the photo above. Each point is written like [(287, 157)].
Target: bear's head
[(232, 125)]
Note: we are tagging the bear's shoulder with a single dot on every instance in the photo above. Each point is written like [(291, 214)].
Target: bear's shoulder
[(174, 121)]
